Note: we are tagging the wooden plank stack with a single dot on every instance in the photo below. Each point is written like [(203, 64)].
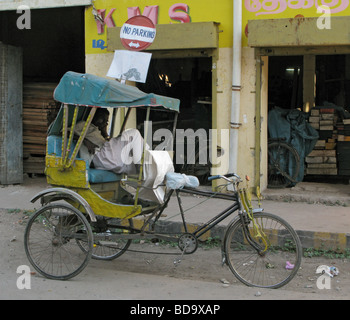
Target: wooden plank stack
[(343, 147), (331, 154), (344, 130), (323, 159), (39, 110)]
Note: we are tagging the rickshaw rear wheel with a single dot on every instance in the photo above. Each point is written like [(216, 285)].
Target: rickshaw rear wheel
[(50, 241)]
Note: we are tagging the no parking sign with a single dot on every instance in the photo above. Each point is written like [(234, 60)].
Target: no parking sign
[(137, 33)]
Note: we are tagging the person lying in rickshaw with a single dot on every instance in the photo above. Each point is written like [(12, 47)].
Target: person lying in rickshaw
[(121, 154)]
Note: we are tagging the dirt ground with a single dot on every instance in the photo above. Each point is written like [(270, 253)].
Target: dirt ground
[(204, 264)]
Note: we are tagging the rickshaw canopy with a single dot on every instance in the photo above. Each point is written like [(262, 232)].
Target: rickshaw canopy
[(90, 90), (87, 90)]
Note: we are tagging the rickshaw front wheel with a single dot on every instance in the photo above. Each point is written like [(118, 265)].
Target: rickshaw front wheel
[(50, 241)]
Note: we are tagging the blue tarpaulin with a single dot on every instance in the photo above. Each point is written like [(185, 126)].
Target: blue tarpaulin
[(292, 126)]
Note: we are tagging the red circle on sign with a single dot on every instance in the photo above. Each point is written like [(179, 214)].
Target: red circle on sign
[(137, 33)]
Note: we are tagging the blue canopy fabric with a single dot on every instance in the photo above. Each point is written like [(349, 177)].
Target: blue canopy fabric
[(90, 90), (87, 90)]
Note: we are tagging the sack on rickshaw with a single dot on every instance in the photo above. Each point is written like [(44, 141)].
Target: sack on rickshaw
[(176, 180)]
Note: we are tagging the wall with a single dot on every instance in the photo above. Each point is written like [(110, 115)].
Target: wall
[(11, 156)]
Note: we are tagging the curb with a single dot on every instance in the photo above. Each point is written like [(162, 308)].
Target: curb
[(339, 242), (328, 201)]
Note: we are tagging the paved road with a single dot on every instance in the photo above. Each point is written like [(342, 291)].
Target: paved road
[(106, 281), (140, 276), (136, 276)]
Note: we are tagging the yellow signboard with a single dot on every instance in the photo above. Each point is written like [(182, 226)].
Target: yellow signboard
[(278, 9), (109, 13)]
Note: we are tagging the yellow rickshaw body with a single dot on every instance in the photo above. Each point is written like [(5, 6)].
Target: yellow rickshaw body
[(80, 96), (75, 178)]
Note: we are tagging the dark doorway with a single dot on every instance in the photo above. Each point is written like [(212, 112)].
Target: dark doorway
[(190, 81), (53, 45), (285, 82)]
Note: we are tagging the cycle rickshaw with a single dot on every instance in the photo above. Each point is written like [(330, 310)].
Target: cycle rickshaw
[(90, 213)]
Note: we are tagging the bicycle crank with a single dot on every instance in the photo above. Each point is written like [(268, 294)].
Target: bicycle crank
[(188, 243)]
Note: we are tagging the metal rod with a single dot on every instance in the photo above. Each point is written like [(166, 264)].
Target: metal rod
[(211, 194), (64, 131), (257, 159), (181, 210), (82, 136), (71, 134), (114, 114), (174, 130), (217, 219), (139, 183), (125, 121)]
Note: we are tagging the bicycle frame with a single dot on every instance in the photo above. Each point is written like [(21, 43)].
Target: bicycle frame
[(147, 231), (219, 217)]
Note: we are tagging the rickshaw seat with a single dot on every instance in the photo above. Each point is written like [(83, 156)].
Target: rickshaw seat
[(54, 147), (100, 176)]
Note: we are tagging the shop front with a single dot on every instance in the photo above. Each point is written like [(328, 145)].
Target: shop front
[(191, 61), (229, 63), (40, 41), (306, 68)]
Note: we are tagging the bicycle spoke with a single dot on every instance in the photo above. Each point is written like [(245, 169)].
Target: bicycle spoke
[(283, 164), (263, 268), (50, 241)]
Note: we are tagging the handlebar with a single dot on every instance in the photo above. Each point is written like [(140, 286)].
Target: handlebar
[(225, 177)]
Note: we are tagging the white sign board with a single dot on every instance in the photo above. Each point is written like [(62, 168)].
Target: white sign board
[(130, 65), (137, 33)]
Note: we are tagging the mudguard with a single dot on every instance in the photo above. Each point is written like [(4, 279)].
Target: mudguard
[(56, 194)]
